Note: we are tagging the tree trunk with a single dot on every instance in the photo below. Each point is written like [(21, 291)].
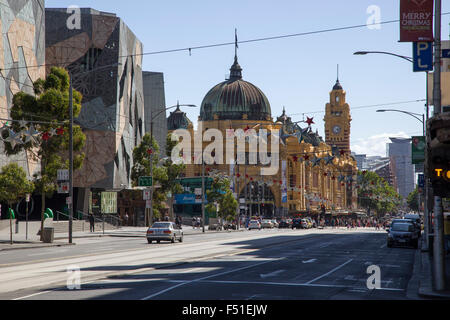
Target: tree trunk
[(42, 215), (172, 218)]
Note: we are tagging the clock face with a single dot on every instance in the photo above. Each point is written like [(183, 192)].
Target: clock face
[(337, 129)]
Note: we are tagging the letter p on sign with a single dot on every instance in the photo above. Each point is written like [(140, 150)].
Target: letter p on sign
[(423, 56)]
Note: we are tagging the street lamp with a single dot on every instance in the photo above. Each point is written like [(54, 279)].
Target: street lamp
[(152, 118), (417, 116)]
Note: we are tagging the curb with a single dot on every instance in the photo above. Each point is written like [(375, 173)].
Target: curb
[(426, 279), (38, 246)]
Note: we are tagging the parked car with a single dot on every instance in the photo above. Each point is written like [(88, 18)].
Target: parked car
[(276, 224), (403, 234), (284, 224), (267, 224), (254, 224), (299, 224), (230, 226), (417, 227), (311, 223), (164, 231)]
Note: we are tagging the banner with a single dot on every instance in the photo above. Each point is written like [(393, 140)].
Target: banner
[(418, 150), (416, 20)]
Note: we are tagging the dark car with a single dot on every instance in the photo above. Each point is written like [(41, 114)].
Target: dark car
[(403, 234), (297, 224), (284, 224), (417, 226)]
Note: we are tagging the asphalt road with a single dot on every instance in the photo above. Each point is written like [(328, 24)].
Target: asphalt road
[(267, 265)]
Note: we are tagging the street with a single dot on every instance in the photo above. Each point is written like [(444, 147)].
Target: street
[(251, 265)]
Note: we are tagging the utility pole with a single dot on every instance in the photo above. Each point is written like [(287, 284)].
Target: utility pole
[(203, 191), (70, 159), (438, 247)]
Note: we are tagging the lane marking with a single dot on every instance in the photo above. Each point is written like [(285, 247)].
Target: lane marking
[(328, 273), (204, 278), (309, 261), (273, 274)]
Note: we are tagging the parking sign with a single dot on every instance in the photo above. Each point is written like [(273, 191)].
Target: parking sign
[(423, 56)]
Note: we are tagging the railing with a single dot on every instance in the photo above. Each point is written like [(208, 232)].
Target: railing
[(106, 218)]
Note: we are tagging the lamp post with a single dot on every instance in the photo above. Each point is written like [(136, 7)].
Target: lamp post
[(424, 119), (426, 215), (152, 118)]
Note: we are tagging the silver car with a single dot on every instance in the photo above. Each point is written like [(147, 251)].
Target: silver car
[(164, 231)]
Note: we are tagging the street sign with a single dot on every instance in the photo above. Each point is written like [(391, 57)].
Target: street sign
[(423, 56), (63, 175), (148, 204), (146, 195), (446, 54), (145, 181), (421, 181), (63, 187)]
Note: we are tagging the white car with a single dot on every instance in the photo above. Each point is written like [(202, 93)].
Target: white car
[(267, 224), (164, 231), (254, 224)]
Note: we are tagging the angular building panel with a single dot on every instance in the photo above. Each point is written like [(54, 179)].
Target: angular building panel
[(105, 60), (22, 56)]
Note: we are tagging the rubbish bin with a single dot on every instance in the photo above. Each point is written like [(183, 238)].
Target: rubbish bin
[(48, 235)]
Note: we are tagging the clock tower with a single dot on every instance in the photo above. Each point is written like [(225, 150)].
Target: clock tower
[(337, 120)]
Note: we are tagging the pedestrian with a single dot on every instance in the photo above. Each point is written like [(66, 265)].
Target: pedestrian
[(92, 222), (125, 218), (194, 222)]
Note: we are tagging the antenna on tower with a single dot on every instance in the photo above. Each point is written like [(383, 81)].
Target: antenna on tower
[(338, 72)]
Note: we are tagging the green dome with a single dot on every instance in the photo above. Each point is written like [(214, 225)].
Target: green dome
[(231, 99)]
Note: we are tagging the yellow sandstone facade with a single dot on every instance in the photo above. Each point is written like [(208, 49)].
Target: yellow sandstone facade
[(312, 175)]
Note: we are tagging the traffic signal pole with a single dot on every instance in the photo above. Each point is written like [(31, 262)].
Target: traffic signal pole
[(438, 247)]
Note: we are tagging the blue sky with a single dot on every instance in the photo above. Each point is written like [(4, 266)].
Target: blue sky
[(297, 72)]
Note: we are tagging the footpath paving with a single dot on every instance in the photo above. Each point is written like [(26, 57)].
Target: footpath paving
[(21, 241), (424, 272)]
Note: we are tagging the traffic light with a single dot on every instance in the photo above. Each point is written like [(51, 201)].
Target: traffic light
[(438, 155)]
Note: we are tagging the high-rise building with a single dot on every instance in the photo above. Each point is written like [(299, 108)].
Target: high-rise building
[(104, 58), (399, 151), (22, 56), (155, 104)]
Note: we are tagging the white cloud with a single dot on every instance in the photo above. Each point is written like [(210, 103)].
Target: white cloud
[(375, 145)]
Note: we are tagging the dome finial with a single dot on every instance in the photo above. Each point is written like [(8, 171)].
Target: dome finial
[(236, 70)]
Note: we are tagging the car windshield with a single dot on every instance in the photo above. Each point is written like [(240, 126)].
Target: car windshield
[(161, 225), (402, 227)]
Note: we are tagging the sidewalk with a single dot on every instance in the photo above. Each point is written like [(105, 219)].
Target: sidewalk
[(425, 270), (60, 239)]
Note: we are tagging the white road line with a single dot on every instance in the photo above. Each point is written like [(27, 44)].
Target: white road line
[(204, 278), (328, 273), (32, 295), (383, 246)]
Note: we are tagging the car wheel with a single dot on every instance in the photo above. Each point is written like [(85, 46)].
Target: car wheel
[(158, 241), (149, 241), (181, 239), (173, 239)]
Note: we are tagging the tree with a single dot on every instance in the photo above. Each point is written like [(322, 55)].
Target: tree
[(413, 200), (47, 118), (221, 195), (165, 175), (14, 185), (376, 194)]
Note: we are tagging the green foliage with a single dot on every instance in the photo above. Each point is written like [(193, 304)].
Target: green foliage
[(376, 194), (141, 158), (413, 200), (221, 194), (51, 104), (14, 184)]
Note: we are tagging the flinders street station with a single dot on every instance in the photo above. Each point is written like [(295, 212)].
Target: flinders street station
[(315, 174)]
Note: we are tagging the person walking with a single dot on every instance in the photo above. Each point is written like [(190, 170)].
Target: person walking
[(125, 219), (92, 222)]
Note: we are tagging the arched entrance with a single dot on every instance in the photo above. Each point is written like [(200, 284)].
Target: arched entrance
[(259, 200)]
